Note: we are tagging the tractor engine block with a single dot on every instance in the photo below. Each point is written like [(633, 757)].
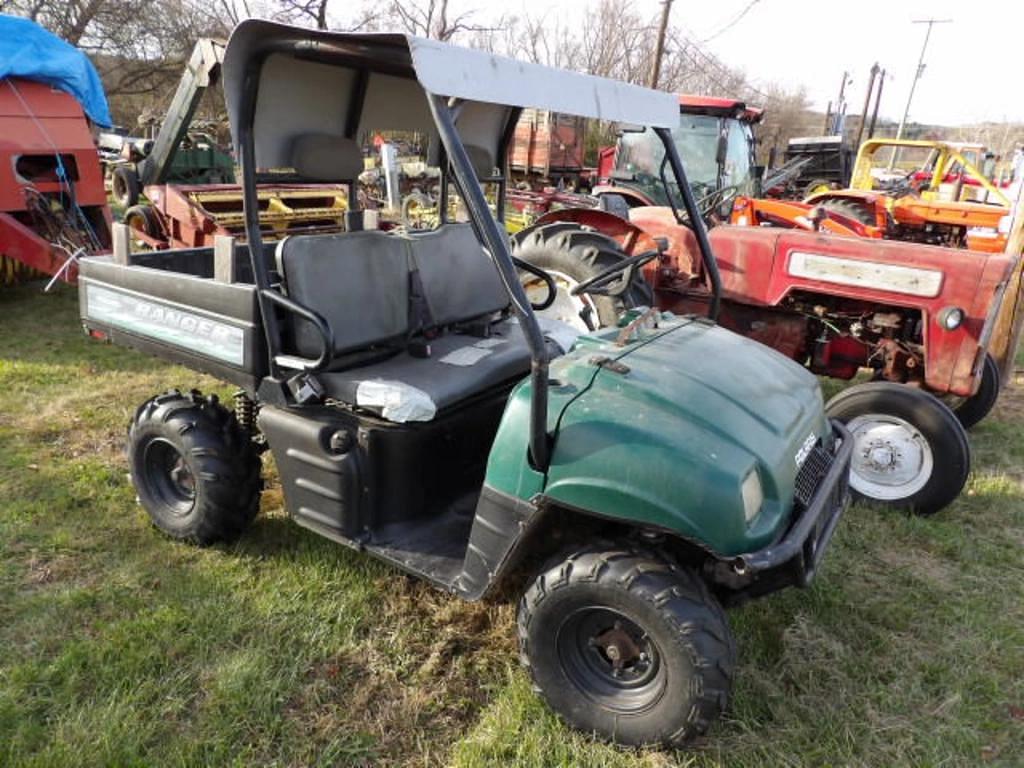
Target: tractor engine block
[(844, 336)]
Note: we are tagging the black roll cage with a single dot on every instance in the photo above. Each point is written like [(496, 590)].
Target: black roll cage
[(484, 224)]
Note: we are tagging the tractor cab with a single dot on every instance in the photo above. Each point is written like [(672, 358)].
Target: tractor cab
[(714, 138)]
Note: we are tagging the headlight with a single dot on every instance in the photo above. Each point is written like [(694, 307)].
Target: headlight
[(753, 495), (951, 318)]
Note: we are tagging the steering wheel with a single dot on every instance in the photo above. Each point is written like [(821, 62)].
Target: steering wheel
[(601, 283), (714, 199), (906, 185)]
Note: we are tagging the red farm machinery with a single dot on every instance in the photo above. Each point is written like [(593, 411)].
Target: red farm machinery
[(53, 206), (191, 215), (933, 329)]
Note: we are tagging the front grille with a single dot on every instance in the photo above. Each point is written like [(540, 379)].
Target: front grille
[(813, 471)]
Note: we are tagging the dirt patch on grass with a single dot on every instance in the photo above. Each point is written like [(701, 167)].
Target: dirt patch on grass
[(415, 684), (43, 571), (922, 564)]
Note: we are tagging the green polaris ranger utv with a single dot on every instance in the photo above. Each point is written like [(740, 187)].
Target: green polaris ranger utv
[(626, 484)]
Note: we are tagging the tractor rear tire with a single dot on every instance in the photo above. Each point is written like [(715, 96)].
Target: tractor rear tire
[(973, 409), (124, 186), (196, 471), (576, 253), (853, 209), (910, 451), (624, 644)]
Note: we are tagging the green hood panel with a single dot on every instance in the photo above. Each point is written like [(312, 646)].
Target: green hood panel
[(669, 442)]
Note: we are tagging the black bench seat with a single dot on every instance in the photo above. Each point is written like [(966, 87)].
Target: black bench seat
[(361, 284)]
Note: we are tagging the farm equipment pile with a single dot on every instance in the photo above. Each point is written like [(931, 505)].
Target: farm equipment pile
[(53, 206), (209, 203), (925, 204)]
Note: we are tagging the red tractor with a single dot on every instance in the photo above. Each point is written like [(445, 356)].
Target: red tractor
[(935, 328)]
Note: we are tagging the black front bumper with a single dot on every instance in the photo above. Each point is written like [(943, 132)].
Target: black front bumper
[(793, 559)]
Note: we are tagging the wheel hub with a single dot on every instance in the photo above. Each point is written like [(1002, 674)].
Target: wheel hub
[(883, 456), (169, 476), (610, 659), (892, 459), (182, 476), (620, 650)]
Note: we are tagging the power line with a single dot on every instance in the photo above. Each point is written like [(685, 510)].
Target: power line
[(920, 67), (721, 73), (738, 18)]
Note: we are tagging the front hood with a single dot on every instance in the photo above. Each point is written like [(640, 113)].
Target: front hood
[(669, 441), (705, 371)]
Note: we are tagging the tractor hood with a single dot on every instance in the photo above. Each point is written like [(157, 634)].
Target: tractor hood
[(668, 432)]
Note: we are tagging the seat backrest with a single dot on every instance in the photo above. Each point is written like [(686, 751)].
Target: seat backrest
[(323, 157), (459, 279), (358, 282)]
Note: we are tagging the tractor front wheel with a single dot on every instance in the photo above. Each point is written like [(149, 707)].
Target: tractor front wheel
[(973, 409), (910, 451), (817, 187), (143, 219), (196, 471), (625, 645)]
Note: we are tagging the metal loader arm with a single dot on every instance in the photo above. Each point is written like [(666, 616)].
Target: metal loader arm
[(202, 71)]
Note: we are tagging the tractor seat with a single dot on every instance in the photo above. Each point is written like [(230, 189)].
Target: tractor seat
[(389, 298)]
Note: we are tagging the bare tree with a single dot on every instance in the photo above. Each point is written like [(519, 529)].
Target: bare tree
[(432, 18), (140, 46), (314, 10), (787, 114)]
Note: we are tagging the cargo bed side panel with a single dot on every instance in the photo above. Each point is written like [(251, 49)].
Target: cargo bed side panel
[(209, 326)]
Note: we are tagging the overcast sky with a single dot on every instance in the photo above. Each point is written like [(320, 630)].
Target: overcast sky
[(971, 64)]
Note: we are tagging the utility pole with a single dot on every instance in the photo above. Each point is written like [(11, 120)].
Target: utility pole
[(920, 68), (878, 100), (834, 122), (913, 85), (659, 48), (875, 69)]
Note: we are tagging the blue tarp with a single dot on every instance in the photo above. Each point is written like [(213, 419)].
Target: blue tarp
[(29, 51)]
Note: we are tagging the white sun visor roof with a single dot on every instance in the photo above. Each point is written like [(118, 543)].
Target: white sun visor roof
[(310, 83)]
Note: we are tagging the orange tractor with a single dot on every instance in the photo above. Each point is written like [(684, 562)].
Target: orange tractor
[(925, 204)]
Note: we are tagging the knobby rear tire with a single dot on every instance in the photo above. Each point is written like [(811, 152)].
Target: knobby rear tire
[(195, 470)]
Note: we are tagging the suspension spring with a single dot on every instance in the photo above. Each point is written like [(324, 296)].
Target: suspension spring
[(245, 412)]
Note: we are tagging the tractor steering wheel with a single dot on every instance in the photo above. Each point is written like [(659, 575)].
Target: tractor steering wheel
[(713, 201), (907, 186), (601, 284)]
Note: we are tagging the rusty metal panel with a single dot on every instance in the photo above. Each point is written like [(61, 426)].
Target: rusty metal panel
[(546, 142)]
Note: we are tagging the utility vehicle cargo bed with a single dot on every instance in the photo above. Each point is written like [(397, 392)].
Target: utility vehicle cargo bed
[(171, 305)]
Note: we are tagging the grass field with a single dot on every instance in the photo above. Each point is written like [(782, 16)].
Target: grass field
[(121, 647)]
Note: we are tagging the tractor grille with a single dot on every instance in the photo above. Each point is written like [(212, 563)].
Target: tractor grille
[(813, 471)]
